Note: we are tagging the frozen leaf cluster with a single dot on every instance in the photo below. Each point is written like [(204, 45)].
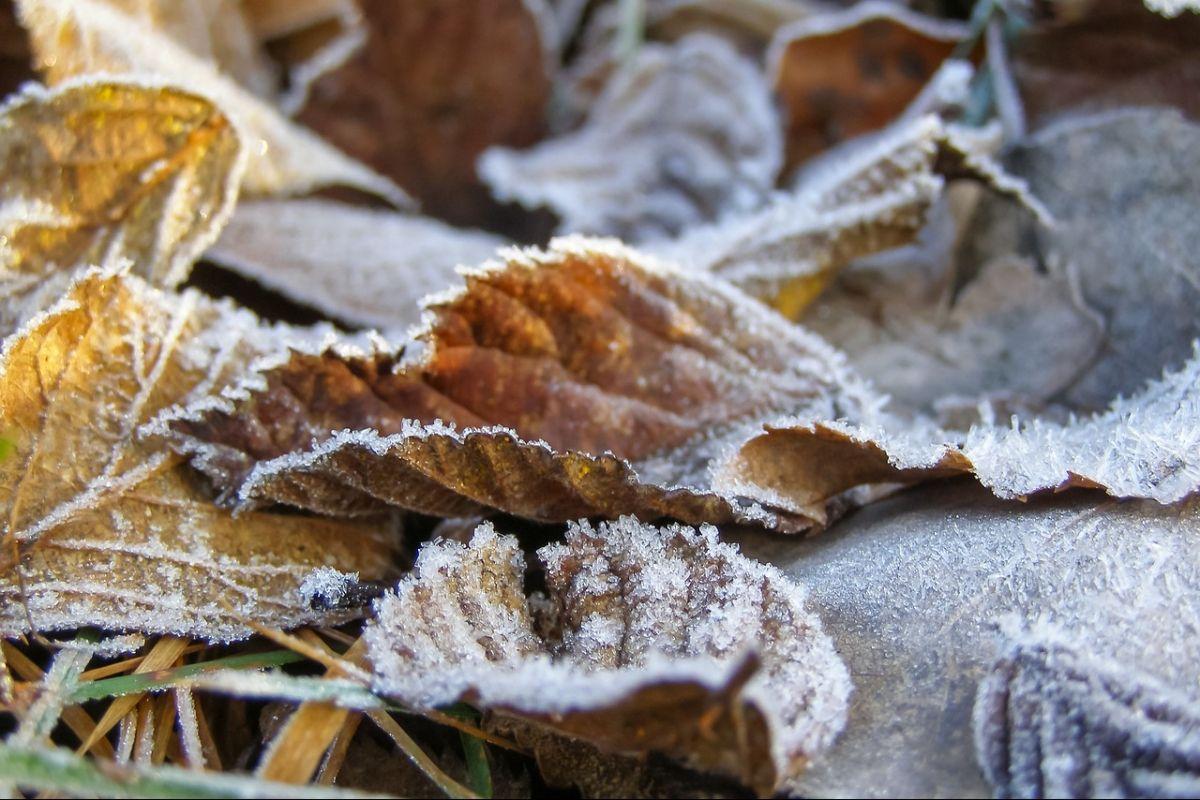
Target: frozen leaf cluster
[(648, 639)]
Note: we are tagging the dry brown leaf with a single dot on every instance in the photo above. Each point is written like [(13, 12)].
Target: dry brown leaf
[(437, 83), (685, 134), (582, 381), (80, 37), (853, 71), (1118, 54), (875, 195), (97, 173), (364, 267), (114, 532), (651, 640)]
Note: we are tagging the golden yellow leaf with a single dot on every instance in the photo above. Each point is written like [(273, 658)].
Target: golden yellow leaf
[(81, 37), (99, 173), (113, 531)]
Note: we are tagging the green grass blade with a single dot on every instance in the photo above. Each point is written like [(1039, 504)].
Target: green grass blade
[(152, 681)]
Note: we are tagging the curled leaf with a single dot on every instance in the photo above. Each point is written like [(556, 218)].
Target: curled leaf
[(685, 134), (82, 37), (912, 588), (1146, 446), (582, 381), (364, 267), (107, 172), (113, 531), (654, 640), (874, 196), (1051, 721), (436, 84), (849, 72)]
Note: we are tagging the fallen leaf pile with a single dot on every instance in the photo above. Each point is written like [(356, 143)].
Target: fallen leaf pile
[(663, 398)]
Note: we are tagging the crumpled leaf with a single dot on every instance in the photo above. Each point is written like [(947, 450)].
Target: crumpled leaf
[(113, 531), (651, 640), (103, 172), (1115, 55), (582, 381), (1052, 721), (849, 72), (437, 83), (1125, 231), (685, 134), (81, 37), (1012, 336), (362, 266), (912, 588), (873, 196)]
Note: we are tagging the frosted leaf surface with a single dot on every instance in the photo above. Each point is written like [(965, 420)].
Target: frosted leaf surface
[(685, 135), (1053, 721), (436, 83), (911, 590), (652, 639), (113, 530), (1172, 8), (585, 380), (81, 37), (1012, 335), (79, 192), (875, 195), (1125, 232), (1146, 446), (364, 267), (851, 71)]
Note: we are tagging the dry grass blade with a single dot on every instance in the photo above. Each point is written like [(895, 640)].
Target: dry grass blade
[(164, 654), (297, 751), (336, 757), (410, 748)]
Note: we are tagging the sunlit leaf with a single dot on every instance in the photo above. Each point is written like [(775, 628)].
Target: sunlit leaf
[(82, 37), (99, 173), (112, 530)]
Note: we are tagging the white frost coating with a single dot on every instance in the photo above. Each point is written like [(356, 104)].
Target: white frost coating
[(363, 266), (1146, 446), (639, 606), (325, 587), (685, 134), (1173, 8)]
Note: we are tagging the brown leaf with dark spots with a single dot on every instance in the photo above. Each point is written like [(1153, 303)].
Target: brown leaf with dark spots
[(1117, 54), (851, 72), (651, 639), (581, 381), (437, 83)]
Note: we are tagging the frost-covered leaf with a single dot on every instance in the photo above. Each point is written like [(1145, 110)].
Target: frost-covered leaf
[(1172, 8), (106, 172), (849, 72), (1012, 336), (114, 531), (1116, 54), (650, 640), (1053, 721), (581, 381), (911, 588), (362, 266), (82, 37), (1126, 233), (871, 197), (684, 134), (1146, 446), (437, 83)]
